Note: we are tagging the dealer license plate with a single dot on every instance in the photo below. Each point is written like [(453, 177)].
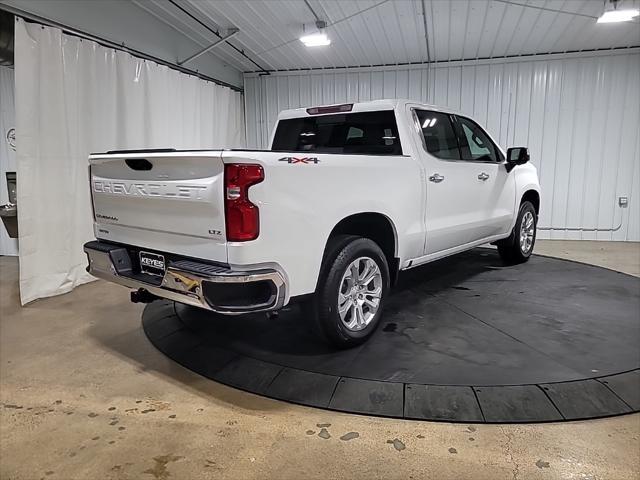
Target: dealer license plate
[(152, 263)]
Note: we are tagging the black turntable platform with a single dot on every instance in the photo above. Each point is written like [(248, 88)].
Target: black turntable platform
[(464, 339)]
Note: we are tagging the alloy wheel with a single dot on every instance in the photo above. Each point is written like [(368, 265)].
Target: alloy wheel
[(360, 293), (527, 232)]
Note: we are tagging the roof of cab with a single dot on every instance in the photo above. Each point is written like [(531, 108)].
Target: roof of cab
[(372, 105)]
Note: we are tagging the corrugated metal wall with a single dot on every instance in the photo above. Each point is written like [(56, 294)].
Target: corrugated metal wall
[(579, 116)]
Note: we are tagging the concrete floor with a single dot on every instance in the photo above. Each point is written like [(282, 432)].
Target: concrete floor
[(84, 395)]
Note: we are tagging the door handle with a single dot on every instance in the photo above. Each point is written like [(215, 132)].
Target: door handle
[(436, 178), (483, 176)]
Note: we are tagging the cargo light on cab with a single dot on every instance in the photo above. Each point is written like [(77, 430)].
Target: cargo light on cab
[(345, 107)]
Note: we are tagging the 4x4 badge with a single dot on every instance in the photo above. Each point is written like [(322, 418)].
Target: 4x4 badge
[(300, 160)]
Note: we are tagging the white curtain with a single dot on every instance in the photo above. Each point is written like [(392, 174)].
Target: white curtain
[(8, 246), (74, 97)]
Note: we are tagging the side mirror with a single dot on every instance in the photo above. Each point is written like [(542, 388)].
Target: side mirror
[(517, 156)]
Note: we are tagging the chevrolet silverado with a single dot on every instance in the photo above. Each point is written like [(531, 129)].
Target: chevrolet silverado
[(346, 198)]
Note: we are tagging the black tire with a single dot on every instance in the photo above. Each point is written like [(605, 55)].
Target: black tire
[(341, 251), (510, 249)]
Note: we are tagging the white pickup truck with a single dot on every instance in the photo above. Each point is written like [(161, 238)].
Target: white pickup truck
[(348, 196)]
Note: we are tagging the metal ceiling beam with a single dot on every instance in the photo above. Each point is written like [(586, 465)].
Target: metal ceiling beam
[(537, 7), (312, 10), (527, 57), (320, 24), (426, 30), (217, 34), (30, 17), (426, 39), (231, 33)]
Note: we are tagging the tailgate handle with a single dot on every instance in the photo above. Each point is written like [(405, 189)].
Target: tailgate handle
[(139, 164)]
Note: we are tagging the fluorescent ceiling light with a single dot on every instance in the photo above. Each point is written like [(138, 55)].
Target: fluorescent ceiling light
[(315, 40), (612, 16)]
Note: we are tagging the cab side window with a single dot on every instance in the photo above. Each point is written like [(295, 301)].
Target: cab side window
[(439, 136), (475, 144)]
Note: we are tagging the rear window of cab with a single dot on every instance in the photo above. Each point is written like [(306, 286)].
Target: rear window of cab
[(373, 133)]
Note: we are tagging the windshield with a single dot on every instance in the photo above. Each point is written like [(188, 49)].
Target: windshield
[(374, 133)]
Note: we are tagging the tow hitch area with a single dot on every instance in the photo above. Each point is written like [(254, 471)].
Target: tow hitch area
[(143, 296)]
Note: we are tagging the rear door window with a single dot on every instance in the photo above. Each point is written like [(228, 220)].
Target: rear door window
[(373, 133)]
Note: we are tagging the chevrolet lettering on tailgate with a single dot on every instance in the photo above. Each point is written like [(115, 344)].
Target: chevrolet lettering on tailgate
[(149, 189)]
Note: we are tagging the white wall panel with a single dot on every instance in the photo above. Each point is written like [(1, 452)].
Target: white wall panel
[(579, 115)]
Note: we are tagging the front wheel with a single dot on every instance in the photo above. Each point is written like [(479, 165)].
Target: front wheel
[(517, 248), (353, 284)]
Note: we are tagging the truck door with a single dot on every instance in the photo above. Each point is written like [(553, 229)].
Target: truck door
[(497, 189), (465, 183), (452, 212)]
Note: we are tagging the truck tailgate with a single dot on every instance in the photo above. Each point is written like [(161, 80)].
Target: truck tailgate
[(169, 201)]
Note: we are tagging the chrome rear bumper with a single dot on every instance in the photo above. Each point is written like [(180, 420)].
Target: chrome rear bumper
[(192, 282)]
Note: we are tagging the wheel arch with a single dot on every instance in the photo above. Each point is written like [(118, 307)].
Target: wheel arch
[(532, 196), (375, 226)]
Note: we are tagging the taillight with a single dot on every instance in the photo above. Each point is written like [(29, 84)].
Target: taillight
[(242, 217)]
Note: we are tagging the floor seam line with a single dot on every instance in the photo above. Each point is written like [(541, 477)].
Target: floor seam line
[(475, 394), (612, 391), (546, 394), (274, 378), (334, 390)]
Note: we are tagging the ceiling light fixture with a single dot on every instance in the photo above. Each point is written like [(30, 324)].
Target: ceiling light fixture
[(612, 14), (314, 36), (315, 40)]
